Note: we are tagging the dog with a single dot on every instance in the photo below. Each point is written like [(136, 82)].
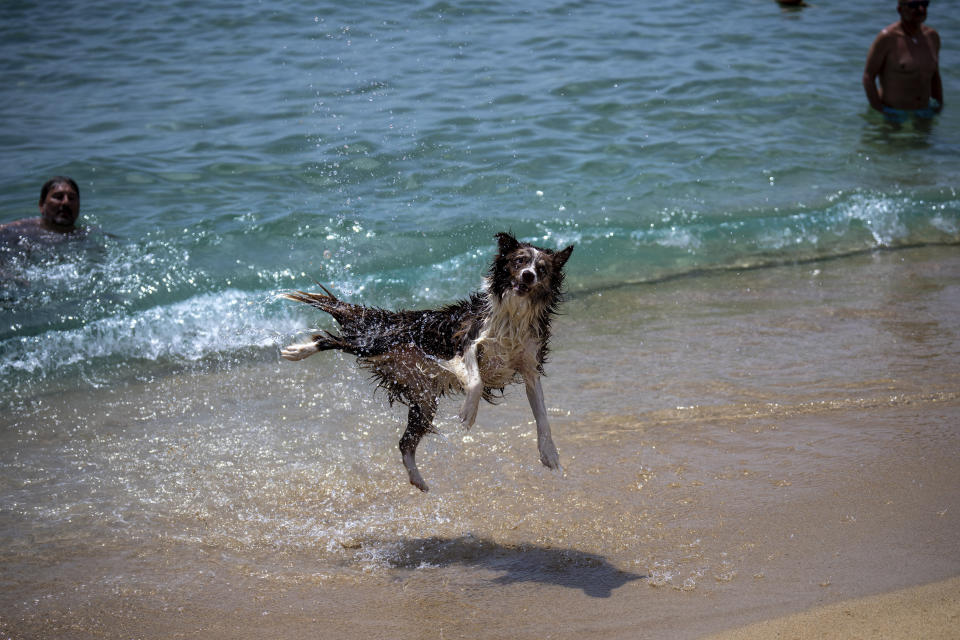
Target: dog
[(477, 346)]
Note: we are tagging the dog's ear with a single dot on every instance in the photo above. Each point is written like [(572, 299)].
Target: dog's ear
[(560, 258), (506, 243)]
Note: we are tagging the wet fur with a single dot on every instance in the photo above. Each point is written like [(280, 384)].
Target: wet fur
[(477, 346)]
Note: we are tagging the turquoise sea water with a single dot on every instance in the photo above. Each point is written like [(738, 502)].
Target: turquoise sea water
[(228, 151)]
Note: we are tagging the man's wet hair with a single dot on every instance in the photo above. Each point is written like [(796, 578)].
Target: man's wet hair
[(52, 182)]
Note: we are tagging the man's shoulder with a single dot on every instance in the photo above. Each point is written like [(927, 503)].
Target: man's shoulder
[(33, 231), (16, 226), (891, 32), (885, 41), (18, 231)]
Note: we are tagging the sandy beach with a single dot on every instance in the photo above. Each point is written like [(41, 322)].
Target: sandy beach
[(776, 448), (929, 611)]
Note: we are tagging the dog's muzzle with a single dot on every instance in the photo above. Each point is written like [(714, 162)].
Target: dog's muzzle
[(525, 282)]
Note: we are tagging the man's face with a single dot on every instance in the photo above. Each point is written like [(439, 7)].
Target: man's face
[(61, 207), (913, 10)]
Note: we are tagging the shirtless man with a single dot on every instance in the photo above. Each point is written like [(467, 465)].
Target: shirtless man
[(59, 209), (905, 57)]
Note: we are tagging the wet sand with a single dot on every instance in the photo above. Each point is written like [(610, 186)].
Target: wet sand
[(737, 447)]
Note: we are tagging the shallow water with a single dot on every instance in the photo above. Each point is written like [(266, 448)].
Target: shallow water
[(703, 423)]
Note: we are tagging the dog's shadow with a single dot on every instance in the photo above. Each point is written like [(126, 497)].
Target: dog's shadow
[(589, 572)]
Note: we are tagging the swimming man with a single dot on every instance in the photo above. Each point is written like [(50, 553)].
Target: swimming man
[(59, 209)]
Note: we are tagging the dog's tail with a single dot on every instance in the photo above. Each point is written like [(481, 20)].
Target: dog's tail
[(362, 327), (325, 301)]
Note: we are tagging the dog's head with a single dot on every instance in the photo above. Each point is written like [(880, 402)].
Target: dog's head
[(524, 270)]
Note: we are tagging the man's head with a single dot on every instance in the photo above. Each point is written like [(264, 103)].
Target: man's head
[(60, 203), (913, 11)]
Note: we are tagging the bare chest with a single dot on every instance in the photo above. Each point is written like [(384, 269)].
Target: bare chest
[(912, 58)]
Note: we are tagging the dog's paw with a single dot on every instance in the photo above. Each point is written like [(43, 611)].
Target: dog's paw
[(468, 413), (300, 351), (418, 482), (410, 463), (549, 456)]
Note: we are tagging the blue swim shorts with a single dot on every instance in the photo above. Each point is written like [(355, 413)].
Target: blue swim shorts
[(899, 116)]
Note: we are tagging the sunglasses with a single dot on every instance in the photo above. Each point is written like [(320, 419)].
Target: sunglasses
[(916, 4)]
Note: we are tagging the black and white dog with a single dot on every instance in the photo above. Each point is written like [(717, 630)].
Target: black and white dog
[(476, 346)]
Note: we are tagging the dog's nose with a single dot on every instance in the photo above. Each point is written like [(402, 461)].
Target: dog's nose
[(528, 277)]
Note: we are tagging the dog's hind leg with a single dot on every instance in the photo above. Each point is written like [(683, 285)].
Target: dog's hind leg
[(419, 422), (323, 341), (548, 450), (299, 351)]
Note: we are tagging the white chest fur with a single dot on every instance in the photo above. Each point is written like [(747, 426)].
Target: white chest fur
[(507, 346), (508, 342)]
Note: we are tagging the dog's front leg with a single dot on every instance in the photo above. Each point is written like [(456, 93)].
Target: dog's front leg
[(548, 451), (472, 386)]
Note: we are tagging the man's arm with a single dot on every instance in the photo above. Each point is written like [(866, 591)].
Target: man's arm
[(936, 89), (936, 85), (875, 58)]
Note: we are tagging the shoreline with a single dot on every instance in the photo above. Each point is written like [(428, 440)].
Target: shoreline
[(719, 270)]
